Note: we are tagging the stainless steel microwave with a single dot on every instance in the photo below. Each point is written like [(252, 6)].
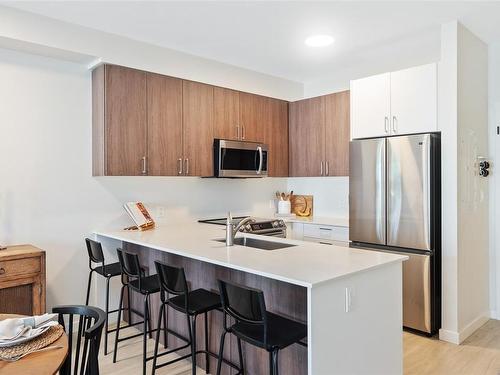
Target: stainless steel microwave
[(239, 159)]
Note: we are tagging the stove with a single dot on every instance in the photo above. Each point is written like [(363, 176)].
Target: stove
[(265, 227)]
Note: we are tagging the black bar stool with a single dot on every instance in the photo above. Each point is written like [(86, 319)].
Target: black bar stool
[(133, 276), (192, 303), (255, 325), (108, 271)]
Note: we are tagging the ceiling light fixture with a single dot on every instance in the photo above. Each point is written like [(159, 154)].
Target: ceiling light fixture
[(321, 40)]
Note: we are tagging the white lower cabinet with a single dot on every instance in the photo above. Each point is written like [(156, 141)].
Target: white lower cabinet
[(325, 234)]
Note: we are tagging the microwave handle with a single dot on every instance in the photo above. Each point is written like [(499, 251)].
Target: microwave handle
[(259, 149)]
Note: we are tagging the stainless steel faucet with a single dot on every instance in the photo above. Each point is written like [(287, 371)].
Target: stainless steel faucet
[(231, 229)]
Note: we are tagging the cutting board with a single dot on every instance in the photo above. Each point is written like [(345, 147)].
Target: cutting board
[(302, 205)]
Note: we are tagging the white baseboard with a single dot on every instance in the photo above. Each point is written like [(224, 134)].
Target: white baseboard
[(457, 338), (494, 315), (449, 336)]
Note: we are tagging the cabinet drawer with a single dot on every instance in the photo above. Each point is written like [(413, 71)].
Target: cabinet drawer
[(9, 268), (327, 232), (326, 241)]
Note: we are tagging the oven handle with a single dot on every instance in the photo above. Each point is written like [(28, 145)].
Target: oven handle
[(259, 149)]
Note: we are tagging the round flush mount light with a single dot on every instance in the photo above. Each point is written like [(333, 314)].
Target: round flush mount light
[(321, 40)]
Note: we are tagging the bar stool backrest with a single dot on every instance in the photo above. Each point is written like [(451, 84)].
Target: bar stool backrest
[(130, 266), (172, 280), (94, 249), (244, 304)]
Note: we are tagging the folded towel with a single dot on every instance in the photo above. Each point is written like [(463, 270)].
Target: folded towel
[(16, 328)]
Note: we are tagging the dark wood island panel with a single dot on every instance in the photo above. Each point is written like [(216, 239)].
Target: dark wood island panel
[(281, 298)]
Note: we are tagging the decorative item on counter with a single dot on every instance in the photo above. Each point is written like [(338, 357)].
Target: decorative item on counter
[(284, 206), (140, 216), (302, 205)]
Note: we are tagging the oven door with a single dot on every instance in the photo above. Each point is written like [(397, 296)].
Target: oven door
[(239, 159)]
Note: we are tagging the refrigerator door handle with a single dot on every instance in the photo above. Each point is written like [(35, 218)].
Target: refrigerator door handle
[(380, 192), (426, 190)]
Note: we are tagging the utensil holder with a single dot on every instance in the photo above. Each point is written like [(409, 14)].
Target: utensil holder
[(284, 207)]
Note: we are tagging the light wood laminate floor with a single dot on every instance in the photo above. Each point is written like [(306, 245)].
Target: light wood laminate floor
[(478, 355)]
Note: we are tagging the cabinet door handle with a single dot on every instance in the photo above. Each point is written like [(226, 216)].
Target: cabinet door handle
[(237, 132), (2, 271), (187, 166), (327, 168), (325, 243), (386, 124), (144, 169), (321, 169), (394, 120), (242, 132), (179, 161)]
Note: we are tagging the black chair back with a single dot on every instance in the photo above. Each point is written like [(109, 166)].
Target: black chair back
[(243, 303), (172, 281), (131, 267), (83, 348), (94, 249)]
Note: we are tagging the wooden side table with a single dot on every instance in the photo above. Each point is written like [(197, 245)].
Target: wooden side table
[(22, 280)]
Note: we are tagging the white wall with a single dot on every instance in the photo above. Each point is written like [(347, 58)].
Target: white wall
[(19, 29), (47, 195), (463, 120), (494, 146), (473, 195)]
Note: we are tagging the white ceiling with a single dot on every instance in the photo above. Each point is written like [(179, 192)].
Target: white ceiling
[(269, 36)]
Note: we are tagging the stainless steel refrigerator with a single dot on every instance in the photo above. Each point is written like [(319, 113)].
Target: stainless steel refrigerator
[(395, 206)]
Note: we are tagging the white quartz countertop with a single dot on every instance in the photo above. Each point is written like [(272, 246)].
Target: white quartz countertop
[(306, 264)]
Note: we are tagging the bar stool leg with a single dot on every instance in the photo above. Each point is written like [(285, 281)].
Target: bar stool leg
[(165, 328), (106, 329), (207, 357), (129, 304), (149, 316), (193, 346), (145, 335), (221, 352), (118, 324), (162, 311), (240, 354), (88, 288), (274, 362)]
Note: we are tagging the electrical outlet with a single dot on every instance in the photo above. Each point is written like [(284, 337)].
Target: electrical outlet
[(161, 212)]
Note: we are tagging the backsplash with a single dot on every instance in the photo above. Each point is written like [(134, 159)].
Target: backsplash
[(331, 194)]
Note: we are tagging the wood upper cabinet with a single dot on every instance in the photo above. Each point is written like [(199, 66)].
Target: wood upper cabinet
[(119, 121), (319, 136), (307, 137), (337, 130), (150, 124), (198, 122), (276, 137), (226, 113), (164, 120), (253, 117)]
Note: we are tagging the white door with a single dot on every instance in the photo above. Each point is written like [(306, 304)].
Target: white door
[(414, 100), (370, 106)]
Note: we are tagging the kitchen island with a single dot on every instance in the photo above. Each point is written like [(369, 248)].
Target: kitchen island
[(350, 299)]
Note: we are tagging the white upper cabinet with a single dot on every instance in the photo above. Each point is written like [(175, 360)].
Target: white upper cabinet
[(403, 102), (371, 106), (414, 100)]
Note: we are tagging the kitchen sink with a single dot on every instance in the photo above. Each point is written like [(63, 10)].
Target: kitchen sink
[(258, 244)]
